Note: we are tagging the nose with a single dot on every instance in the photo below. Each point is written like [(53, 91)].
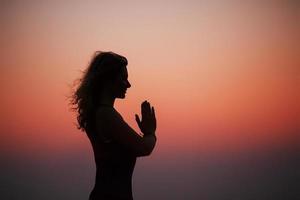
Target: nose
[(128, 84)]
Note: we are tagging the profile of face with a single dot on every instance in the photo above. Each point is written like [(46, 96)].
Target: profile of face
[(120, 84)]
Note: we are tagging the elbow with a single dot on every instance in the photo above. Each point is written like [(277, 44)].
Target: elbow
[(147, 146), (145, 153), (147, 150)]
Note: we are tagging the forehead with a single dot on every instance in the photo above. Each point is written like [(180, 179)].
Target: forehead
[(124, 72)]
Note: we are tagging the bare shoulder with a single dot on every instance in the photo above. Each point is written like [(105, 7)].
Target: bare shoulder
[(108, 113)]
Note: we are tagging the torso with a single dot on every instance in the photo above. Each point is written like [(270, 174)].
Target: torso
[(114, 167)]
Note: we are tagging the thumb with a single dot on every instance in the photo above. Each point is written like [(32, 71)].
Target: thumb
[(138, 121)]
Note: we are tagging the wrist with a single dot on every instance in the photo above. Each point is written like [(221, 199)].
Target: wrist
[(150, 136), (149, 132)]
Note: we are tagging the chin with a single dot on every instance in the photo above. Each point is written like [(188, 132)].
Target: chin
[(121, 96)]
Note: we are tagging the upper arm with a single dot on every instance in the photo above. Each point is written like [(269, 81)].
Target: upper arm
[(122, 133)]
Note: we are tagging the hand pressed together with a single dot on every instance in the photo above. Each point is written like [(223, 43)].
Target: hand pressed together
[(148, 122)]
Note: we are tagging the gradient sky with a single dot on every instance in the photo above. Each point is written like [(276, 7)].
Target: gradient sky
[(223, 76)]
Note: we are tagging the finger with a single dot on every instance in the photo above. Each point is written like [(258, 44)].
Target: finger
[(138, 121), (144, 104), (146, 110), (143, 108), (153, 112), (153, 116), (148, 107)]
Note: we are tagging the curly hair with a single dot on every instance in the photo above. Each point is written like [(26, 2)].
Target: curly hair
[(104, 66)]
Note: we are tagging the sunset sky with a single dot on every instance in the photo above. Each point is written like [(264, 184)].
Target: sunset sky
[(223, 76)]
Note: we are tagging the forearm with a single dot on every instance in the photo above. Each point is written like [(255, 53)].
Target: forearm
[(149, 141)]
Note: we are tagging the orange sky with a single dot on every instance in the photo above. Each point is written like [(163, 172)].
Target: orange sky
[(212, 73)]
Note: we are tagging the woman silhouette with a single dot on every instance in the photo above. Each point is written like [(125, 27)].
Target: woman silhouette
[(115, 144)]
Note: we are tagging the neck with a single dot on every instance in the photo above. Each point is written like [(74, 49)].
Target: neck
[(106, 99)]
